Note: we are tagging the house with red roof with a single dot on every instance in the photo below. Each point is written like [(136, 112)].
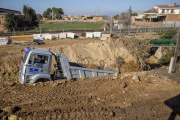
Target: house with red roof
[(160, 13)]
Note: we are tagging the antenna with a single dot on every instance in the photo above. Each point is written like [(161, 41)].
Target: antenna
[(98, 10)]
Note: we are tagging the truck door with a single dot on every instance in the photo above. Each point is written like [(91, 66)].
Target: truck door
[(38, 64)]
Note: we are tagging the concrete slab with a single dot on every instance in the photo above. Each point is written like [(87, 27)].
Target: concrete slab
[(105, 35)]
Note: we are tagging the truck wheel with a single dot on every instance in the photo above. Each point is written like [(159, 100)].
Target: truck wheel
[(42, 80)]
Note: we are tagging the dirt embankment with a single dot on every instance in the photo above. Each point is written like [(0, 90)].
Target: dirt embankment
[(90, 52)]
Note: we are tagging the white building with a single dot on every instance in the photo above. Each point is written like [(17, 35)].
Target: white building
[(168, 9), (160, 13)]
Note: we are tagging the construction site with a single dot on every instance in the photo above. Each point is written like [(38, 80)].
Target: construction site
[(143, 89)]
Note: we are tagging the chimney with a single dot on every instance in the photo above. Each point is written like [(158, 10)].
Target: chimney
[(174, 4)]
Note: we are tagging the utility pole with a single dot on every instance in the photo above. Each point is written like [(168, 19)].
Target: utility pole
[(98, 10), (174, 59), (111, 26), (52, 14)]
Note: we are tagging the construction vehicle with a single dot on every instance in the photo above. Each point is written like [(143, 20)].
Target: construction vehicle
[(36, 66)]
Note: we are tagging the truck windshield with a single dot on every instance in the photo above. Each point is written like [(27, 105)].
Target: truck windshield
[(24, 57)]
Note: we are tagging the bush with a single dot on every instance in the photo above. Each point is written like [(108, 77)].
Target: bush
[(168, 34), (160, 33), (166, 58)]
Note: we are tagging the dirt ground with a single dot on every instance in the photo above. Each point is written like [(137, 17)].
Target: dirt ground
[(153, 95)]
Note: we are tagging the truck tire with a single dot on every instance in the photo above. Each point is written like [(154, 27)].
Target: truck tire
[(42, 80)]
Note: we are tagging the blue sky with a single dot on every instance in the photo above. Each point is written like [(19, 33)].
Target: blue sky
[(86, 7)]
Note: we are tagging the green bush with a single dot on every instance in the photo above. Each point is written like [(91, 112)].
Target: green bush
[(168, 34), (160, 33), (166, 58)]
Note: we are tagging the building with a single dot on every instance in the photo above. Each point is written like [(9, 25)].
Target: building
[(71, 17), (160, 13), (81, 17), (172, 12), (93, 17), (65, 17), (4, 11), (168, 9)]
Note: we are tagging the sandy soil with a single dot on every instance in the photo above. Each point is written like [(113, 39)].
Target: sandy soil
[(109, 97), (155, 95)]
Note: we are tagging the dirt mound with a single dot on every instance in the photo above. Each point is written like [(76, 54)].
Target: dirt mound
[(101, 52), (130, 67), (92, 66)]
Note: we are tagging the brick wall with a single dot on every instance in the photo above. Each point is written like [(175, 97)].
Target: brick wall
[(173, 17)]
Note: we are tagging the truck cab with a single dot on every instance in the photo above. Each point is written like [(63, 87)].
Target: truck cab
[(35, 65)]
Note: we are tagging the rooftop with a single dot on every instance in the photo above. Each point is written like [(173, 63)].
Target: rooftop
[(5, 11), (168, 6)]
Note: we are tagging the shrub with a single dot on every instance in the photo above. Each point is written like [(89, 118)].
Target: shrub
[(168, 34), (160, 33), (167, 57)]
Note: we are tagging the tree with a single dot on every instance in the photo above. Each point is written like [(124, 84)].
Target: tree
[(105, 17), (39, 16), (116, 17), (57, 12), (134, 14), (130, 10), (48, 13), (30, 16), (10, 21), (126, 17)]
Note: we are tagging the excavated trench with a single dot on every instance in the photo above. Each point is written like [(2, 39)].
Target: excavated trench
[(120, 51)]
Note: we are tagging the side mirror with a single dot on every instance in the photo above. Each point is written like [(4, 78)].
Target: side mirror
[(33, 60)]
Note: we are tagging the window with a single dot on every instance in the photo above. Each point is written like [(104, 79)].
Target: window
[(24, 57), (163, 10), (89, 17), (172, 11), (38, 59)]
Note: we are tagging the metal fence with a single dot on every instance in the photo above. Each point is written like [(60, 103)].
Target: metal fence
[(24, 30), (140, 29), (39, 30)]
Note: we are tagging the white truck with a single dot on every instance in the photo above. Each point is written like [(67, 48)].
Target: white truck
[(36, 66)]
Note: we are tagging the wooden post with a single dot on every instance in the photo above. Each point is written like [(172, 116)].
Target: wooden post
[(172, 69)]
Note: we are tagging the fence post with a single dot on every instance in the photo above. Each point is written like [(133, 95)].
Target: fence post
[(14, 31), (129, 30), (63, 28), (85, 27), (153, 28), (160, 29), (137, 29), (120, 30), (145, 29), (40, 29)]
